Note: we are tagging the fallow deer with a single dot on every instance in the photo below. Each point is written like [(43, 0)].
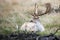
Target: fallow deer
[(35, 25)]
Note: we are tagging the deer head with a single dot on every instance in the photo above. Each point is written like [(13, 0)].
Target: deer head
[(36, 13)]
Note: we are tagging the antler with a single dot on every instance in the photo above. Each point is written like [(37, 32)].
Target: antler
[(48, 9), (36, 13)]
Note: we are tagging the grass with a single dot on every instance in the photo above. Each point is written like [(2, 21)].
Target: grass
[(11, 16), (8, 25)]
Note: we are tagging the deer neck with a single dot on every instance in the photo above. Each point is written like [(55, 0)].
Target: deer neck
[(36, 20)]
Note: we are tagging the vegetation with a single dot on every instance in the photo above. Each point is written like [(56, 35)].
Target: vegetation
[(11, 17)]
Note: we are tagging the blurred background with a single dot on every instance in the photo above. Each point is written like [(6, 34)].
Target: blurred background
[(13, 13)]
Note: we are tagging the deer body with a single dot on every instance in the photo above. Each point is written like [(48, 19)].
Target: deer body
[(28, 26), (39, 25), (33, 26)]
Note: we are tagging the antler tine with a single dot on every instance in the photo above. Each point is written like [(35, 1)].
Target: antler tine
[(36, 9), (48, 6)]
